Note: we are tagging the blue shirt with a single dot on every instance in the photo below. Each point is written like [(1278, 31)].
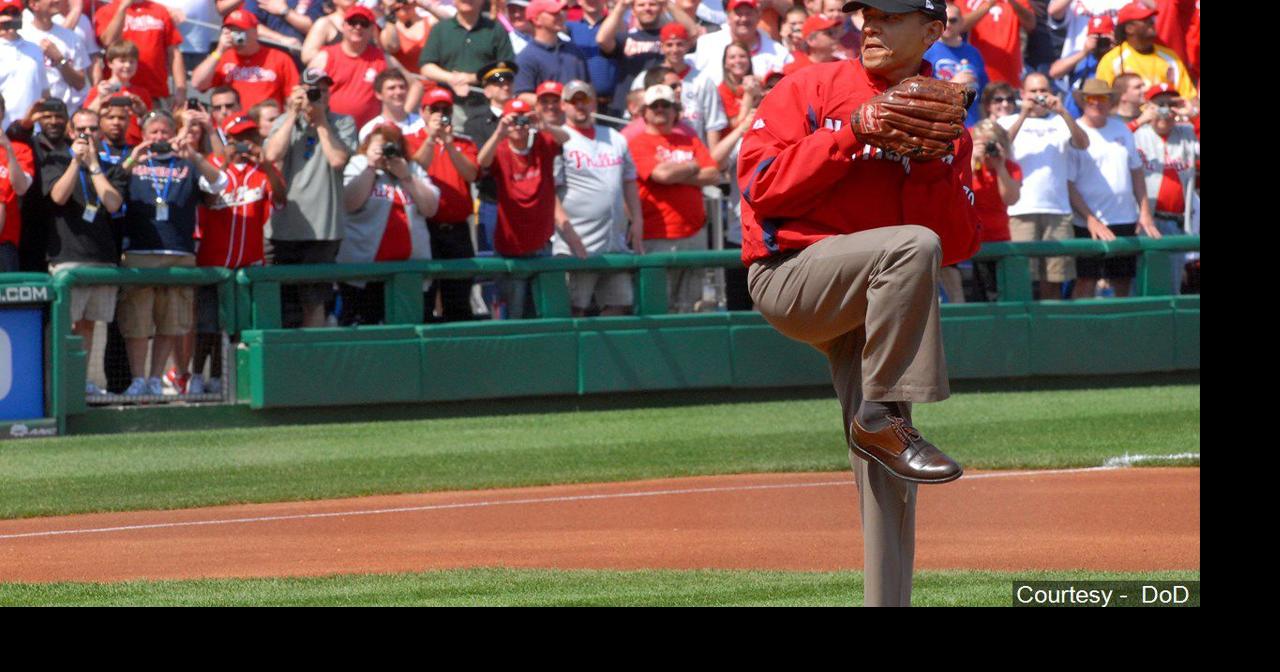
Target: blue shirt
[(538, 63), (602, 70), (948, 61), (1083, 70), (174, 182), (277, 23)]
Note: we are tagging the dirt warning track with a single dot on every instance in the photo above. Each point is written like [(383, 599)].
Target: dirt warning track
[(1103, 519)]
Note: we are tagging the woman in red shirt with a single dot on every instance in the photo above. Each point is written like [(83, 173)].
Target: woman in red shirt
[(406, 31), (997, 184), (740, 91)]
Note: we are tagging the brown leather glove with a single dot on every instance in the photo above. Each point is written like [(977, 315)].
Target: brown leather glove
[(918, 118)]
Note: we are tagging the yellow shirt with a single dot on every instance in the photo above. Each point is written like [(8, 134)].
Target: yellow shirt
[(1161, 65)]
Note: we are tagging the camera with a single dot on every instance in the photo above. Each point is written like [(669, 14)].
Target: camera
[(243, 147), (161, 147), (84, 136), (313, 94), (120, 101), (239, 39), (113, 87), (445, 121), (993, 148), (522, 120), (1042, 101), (194, 104), (1164, 111), (391, 151)]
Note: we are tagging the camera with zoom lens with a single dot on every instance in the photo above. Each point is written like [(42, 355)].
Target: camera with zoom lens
[(313, 94), (993, 148), (391, 151), (239, 39)]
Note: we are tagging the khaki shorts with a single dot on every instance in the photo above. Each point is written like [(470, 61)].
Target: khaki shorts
[(609, 289), (151, 311), (96, 303), (1046, 226), (684, 285)]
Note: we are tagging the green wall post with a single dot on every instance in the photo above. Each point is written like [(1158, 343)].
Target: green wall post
[(266, 304), (1013, 278), (402, 298), (651, 291)]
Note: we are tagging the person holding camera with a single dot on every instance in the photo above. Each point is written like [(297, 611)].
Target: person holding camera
[(997, 184), (22, 75), (521, 155), (387, 199), (312, 145), (118, 90), (166, 176), (1084, 63), (1042, 135), (451, 161), (240, 61), (391, 88), (82, 194), (150, 26)]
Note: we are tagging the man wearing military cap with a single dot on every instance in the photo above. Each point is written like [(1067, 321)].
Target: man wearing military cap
[(497, 78)]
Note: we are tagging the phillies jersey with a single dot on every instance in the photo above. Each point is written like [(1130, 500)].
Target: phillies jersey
[(805, 176), (231, 228)]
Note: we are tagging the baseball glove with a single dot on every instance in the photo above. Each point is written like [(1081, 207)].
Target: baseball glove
[(917, 118)]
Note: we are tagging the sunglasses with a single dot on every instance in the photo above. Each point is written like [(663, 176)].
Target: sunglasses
[(85, 129), (660, 105), (358, 23), (224, 106), (1003, 99), (953, 20), (1097, 99)]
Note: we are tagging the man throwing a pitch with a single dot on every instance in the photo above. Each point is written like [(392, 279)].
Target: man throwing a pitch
[(854, 182)]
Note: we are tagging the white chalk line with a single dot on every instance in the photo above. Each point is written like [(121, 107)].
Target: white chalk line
[(1127, 460), (513, 502)]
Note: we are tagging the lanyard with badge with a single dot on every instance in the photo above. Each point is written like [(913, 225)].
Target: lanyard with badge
[(90, 209), (162, 197)]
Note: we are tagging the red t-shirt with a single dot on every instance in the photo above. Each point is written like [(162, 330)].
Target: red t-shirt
[(133, 135), (410, 50), (270, 73), (805, 176), (670, 210), (732, 101), (148, 25), (353, 76), (231, 229), (526, 196), (998, 37), (799, 60), (12, 230), (455, 192), (992, 211)]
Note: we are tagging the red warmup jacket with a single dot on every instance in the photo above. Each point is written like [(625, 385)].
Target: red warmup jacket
[(804, 176)]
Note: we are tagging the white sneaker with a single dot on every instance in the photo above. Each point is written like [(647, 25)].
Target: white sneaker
[(155, 386), (137, 388), (214, 386), (91, 389), (196, 384)]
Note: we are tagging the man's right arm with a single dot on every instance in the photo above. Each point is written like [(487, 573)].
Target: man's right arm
[(782, 167), (607, 37), (116, 27)]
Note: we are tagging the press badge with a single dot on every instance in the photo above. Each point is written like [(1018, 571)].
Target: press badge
[(162, 212), (90, 213)]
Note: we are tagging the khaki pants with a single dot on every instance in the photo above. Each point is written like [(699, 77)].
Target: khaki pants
[(684, 285), (869, 301)]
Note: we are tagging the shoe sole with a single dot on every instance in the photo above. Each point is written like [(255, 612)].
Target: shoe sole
[(924, 481)]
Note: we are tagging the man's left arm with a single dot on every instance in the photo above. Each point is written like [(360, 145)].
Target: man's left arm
[(1026, 16)]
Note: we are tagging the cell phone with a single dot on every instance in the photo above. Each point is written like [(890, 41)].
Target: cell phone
[(194, 104), (120, 101), (161, 147)]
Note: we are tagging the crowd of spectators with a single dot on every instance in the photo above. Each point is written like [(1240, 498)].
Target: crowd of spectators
[(233, 133)]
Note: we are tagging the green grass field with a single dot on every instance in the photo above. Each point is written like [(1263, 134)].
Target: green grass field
[(504, 587), (983, 430)]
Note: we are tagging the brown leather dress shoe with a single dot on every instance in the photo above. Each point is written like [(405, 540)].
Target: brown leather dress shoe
[(899, 448)]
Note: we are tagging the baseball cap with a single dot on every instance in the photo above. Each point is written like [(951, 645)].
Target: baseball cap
[(7, 5), (1159, 90), (313, 76), (436, 96), (240, 19), (537, 7), (1102, 25), (519, 3), (549, 88), (934, 9), (575, 87), (505, 69), (659, 92), (360, 11), (239, 124), (818, 22), (516, 106), (673, 31), (729, 6), (1134, 11)]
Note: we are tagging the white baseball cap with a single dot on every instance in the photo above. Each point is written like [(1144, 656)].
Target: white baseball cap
[(659, 92)]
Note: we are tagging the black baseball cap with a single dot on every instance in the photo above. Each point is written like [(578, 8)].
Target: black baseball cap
[(934, 9)]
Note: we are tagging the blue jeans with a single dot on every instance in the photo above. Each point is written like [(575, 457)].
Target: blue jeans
[(8, 258)]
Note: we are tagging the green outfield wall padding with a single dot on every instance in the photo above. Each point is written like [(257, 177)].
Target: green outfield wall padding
[(1186, 323), (316, 369), (1112, 336), (487, 367), (986, 340), (663, 358), (764, 358)]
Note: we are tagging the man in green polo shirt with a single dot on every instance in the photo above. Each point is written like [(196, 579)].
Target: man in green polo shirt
[(459, 47)]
